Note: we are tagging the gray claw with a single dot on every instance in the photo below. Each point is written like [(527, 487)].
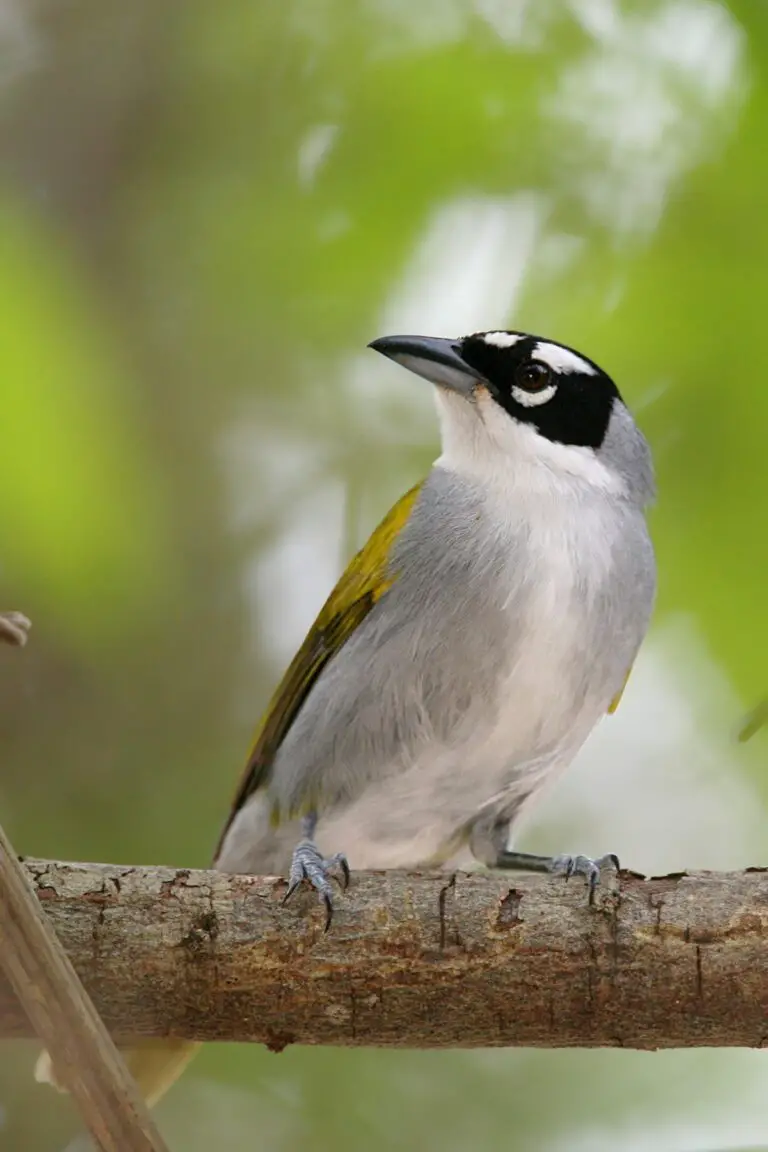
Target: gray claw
[(308, 864), (585, 866)]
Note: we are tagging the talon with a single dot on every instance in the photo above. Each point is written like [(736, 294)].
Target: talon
[(289, 892), (308, 864), (339, 861), (586, 867), (344, 872), (328, 911)]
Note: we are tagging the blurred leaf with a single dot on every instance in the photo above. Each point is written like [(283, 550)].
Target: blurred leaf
[(82, 525)]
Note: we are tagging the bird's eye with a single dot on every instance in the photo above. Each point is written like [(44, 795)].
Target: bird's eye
[(534, 384), (533, 376)]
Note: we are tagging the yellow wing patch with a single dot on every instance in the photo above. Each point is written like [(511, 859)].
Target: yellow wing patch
[(364, 582), (617, 698)]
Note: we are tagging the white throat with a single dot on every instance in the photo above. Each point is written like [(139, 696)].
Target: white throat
[(481, 440)]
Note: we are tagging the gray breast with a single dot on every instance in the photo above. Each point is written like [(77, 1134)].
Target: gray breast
[(460, 644), (422, 663)]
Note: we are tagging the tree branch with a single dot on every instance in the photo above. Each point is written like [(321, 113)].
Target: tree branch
[(415, 960)]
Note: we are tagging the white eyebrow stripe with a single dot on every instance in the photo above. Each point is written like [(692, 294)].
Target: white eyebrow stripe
[(501, 339), (561, 359)]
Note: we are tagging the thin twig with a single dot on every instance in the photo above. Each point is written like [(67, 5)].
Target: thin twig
[(62, 1015), (14, 627), (58, 1007)]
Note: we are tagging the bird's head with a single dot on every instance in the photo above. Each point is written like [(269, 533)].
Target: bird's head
[(530, 400)]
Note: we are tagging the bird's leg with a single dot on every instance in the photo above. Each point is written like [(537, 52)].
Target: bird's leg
[(488, 842), (564, 865), (308, 864)]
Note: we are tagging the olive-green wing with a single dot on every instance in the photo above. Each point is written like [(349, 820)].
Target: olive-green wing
[(364, 583), (617, 698)]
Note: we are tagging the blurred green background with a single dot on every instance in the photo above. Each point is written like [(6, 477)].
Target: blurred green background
[(206, 212)]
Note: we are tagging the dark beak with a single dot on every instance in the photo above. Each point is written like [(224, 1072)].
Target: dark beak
[(436, 360)]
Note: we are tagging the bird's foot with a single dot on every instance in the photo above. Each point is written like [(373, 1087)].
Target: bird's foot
[(585, 866), (308, 864), (564, 865)]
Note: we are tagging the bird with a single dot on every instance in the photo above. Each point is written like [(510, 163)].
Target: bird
[(472, 644)]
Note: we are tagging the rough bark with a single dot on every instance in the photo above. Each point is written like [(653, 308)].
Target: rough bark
[(424, 960)]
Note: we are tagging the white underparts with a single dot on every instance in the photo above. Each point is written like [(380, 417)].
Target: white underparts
[(481, 440)]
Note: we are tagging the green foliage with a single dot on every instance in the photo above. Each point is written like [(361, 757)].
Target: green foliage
[(80, 520)]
